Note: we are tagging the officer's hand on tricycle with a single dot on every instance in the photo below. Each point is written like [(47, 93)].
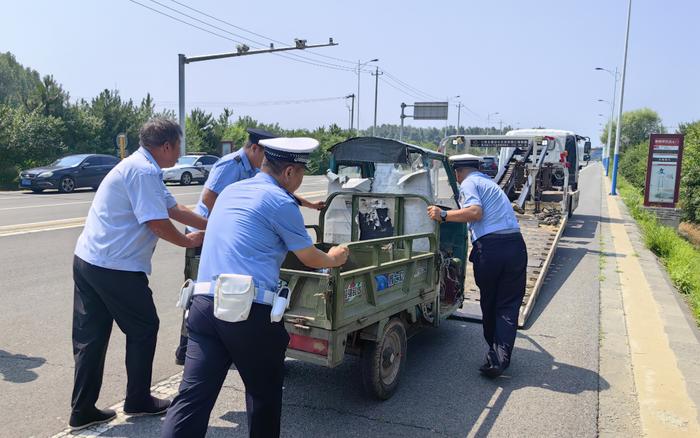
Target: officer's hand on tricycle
[(195, 239), (340, 254), (319, 205), (434, 212)]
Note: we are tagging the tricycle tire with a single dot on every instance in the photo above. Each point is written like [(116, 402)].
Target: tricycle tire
[(383, 361)]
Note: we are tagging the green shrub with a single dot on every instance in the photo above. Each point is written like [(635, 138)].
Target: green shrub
[(681, 258), (690, 179), (633, 164)]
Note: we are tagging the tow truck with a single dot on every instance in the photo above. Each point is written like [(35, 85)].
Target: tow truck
[(539, 171)]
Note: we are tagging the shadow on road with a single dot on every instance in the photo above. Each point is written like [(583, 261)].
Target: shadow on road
[(441, 392), (17, 368)]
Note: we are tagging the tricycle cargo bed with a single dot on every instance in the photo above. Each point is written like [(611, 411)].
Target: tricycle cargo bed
[(382, 277)]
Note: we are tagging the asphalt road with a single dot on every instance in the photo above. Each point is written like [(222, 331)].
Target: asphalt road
[(36, 302), (551, 388)]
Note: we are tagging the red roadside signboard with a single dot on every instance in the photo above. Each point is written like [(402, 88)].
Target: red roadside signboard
[(663, 170)]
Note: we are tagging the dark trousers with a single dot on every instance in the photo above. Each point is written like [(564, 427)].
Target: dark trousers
[(256, 346), (500, 267), (101, 296)]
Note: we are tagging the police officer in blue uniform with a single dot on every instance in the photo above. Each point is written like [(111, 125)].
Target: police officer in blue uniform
[(499, 257), (236, 166), (131, 210), (255, 223)]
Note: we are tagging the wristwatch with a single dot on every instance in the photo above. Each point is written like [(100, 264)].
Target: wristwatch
[(443, 215)]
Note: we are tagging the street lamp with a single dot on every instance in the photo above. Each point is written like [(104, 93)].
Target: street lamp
[(618, 132), (606, 152), (360, 64), (351, 108), (488, 117)]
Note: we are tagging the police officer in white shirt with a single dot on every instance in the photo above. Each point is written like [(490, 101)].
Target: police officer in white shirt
[(239, 165), (132, 209), (499, 257), (251, 229)]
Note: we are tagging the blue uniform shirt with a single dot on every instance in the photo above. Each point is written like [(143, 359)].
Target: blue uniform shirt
[(253, 226), (479, 189), (116, 235), (225, 172)]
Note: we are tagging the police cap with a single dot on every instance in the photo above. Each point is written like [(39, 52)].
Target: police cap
[(289, 149), (255, 135), (465, 160)]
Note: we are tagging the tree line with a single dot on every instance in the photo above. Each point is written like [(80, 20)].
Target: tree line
[(40, 123)]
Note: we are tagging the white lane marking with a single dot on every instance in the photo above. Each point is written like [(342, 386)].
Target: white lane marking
[(44, 205), (62, 224), (74, 203)]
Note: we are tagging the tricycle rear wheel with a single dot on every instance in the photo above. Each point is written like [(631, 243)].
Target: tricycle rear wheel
[(383, 361)]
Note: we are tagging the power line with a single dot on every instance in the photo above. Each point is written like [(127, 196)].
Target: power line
[(303, 60), (256, 103), (398, 84), (403, 91), (260, 44), (184, 22), (414, 89), (255, 33)]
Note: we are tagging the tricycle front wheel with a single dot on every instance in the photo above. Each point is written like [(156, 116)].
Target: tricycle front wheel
[(383, 361)]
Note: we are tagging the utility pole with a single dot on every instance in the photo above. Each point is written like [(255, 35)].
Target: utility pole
[(403, 116), (352, 109), (360, 64), (241, 50), (376, 75), (616, 158), (500, 127), (459, 111)]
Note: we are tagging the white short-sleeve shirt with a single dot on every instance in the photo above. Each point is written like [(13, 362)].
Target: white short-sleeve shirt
[(116, 235)]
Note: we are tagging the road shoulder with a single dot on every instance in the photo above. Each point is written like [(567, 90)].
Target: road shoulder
[(662, 340)]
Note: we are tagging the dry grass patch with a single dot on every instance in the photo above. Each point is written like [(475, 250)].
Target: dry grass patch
[(690, 232)]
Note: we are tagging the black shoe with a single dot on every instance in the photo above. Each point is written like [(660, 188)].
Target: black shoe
[(179, 360), (485, 367), (491, 371), (154, 406), (81, 420)]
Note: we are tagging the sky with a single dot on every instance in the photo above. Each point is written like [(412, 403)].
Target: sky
[(530, 61)]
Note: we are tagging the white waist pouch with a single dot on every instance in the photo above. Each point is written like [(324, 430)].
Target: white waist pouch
[(233, 297)]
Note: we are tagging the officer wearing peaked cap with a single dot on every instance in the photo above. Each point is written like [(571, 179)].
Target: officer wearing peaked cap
[(255, 223), (236, 166), (498, 255)]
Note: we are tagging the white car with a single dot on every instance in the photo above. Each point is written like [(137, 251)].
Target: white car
[(190, 168)]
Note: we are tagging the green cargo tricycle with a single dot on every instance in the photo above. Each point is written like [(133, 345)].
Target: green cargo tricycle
[(404, 271)]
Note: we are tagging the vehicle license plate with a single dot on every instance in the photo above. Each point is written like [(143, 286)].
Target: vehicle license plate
[(26, 182)]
